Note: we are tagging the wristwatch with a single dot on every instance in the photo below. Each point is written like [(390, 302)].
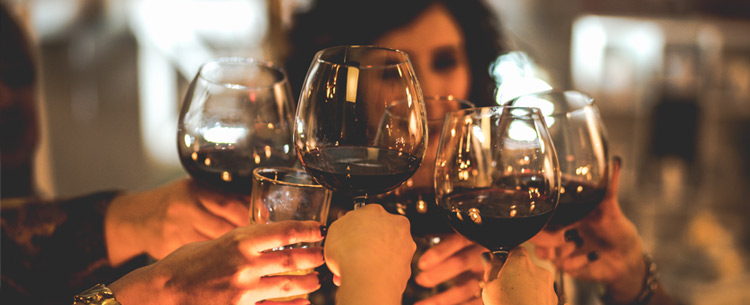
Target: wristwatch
[(97, 295)]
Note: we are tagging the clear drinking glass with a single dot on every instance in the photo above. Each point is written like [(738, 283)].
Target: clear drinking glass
[(282, 193), (342, 134), (237, 115)]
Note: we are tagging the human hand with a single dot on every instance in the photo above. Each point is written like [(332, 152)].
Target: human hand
[(454, 259), (604, 247), (369, 252), (232, 269), (160, 220), (517, 281)]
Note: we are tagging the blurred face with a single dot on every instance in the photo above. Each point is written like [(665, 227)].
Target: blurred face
[(436, 48)]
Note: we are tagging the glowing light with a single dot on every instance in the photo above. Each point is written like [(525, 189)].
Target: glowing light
[(547, 107), (521, 131), (224, 135), (226, 176)]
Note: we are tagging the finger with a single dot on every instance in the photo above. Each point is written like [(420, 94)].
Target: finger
[(279, 286), (263, 237), (549, 239), (452, 243), (466, 259), (300, 301), (337, 280), (574, 262), (288, 260), (458, 294)]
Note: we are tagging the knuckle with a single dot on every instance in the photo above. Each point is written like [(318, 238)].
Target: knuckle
[(286, 285), (287, 260)]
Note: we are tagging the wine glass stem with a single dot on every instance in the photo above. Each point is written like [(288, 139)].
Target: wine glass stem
[(500, 255), (359, 201), (562, 299)]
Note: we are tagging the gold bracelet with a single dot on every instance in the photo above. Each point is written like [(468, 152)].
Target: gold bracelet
[(97, 295)]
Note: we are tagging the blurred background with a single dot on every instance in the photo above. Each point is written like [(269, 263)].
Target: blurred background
[(671, 78)]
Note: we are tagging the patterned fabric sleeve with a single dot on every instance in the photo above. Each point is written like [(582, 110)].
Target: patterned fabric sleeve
[(54, 250)]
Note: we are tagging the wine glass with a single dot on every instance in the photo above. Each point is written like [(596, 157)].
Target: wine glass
[(496, 175), (580, 140), (415, 198), (237, 115), (343, 136)]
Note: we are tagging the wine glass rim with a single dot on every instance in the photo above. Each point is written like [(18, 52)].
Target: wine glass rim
[(590, 102), (280, 78), (460, 101), (494, 110), (318, 56), (259, 176)]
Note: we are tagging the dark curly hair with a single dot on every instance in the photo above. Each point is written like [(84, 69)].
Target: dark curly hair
[(330, 23)]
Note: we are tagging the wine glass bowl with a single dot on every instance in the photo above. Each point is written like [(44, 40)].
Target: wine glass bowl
[(343, 135), (580, 140), (237, 115), (496, 175)]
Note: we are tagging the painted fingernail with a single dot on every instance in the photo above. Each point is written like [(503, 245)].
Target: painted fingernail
[(617, 160), (572, 236), (486, 258), (592, 256), (323, 230)]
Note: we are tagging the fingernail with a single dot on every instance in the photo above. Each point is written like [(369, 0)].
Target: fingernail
[(617, 160), (486, 258), (323, 230), (592, 256), (572, 236)]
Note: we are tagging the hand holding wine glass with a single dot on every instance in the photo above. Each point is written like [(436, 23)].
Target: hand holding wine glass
[(237, 115), (342, 135), (496, 175)]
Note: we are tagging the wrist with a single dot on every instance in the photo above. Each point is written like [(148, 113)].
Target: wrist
[(626, 294), (141, 287)]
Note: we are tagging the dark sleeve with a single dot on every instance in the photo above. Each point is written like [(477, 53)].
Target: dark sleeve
[(54, 250)]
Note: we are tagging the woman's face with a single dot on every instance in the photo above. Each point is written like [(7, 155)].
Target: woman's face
[(436, 48)]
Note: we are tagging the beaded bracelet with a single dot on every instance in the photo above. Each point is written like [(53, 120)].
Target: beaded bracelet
[(650, 284)]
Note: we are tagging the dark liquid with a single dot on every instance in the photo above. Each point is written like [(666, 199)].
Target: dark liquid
[(577, 199), (420, 208), (497, 218), (228, 169), (359, 170)]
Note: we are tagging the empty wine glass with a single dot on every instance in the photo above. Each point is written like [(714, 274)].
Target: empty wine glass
[(237, 115), (342, 134), (580, 140), (496, 175)]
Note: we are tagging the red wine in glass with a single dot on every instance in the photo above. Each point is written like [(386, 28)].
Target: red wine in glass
[(237, 115), (359, 170), (496, 175), (577, 199), (346, 134)]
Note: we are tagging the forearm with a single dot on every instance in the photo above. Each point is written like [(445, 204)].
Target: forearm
[(120, 236)]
